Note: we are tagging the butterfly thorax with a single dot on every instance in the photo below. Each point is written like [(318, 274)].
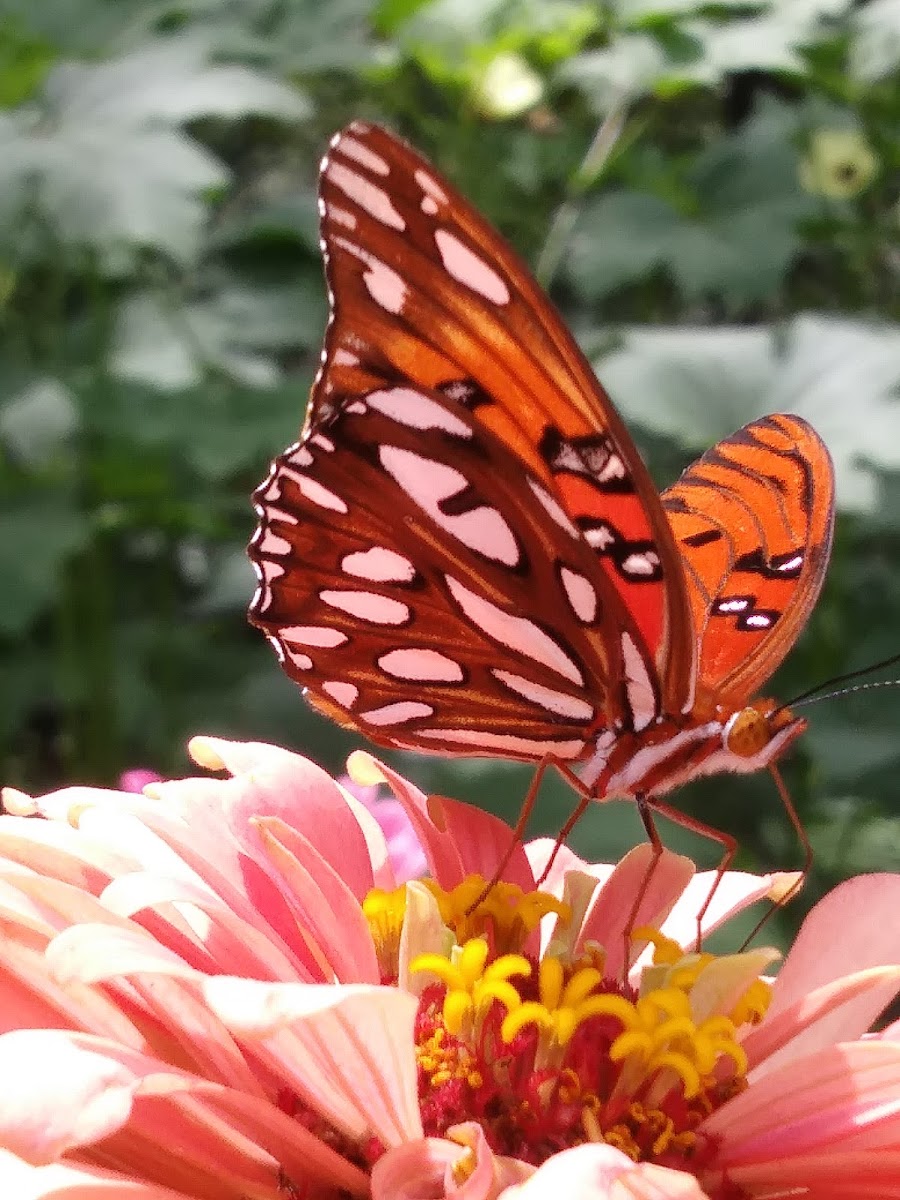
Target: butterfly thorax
[(676, 749)]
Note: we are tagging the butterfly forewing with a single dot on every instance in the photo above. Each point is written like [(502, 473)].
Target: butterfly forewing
[(425, 293), (753, 519), (464, 553), (428, 589)]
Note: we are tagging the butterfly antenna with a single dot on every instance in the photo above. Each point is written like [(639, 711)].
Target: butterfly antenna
[(844, 678)]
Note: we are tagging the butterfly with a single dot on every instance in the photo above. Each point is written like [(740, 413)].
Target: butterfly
[(464, 552)]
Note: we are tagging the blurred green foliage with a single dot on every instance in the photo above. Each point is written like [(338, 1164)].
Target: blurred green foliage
[(733, 250)]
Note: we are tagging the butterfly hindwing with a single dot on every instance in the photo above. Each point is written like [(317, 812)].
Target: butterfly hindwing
[(428, 589), (424, 291), (753, 519)]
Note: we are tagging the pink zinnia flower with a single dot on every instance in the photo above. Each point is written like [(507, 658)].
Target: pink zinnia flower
[(218, 990)]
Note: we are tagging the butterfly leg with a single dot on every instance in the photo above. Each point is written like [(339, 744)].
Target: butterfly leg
[(518, 833), (725, 840), (807, 856)]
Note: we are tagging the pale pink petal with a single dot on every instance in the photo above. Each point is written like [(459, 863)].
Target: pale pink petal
[(600, 1172), (376, 844), (426, 1169), (350, 1049), (20, 1180), (406, 854), (135, 779), (540, 851), (458, 839), (812, 1019), (812, 1119), (736, 891), (225, 940), (325, 908), (146, 1110), (854, 927), (277, 783), (612, 916)]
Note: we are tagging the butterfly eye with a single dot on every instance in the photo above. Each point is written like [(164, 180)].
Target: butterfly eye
[(747, 732)]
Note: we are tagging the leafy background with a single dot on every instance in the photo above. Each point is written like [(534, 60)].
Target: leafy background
[(710, 191)]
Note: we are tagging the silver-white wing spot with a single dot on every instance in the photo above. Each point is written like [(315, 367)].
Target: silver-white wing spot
[(758, 620), (313, 635), (379, 565), (599, 538), (421, 665), (640, 565), (547, 698), (363, 155), (429, 483), (345, 358), (416, 411), (339, 216), (344, 694), (518, 633), (368, 606), (397, 713), (300, 456), (385, 286), (506, 743), (371, 199), (317, 494), (270, 542), (301, 661), (428, 206), (581, 594), (468, 269), (430, 186), (554, 511), (638, 685)]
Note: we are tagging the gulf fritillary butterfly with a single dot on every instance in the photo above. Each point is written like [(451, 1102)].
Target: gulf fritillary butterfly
[(465, 554)]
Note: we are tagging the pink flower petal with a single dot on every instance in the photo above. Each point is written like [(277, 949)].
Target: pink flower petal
[(272, 782), (62, 1181), (541, 850), (426, 1169), (611, 911), (735, 892), (813, 1019), (600, 1172), (323, 904), (349, 1048), (98, 1089), (137, 778), (458, 839), (864, 911), (809, 1114)]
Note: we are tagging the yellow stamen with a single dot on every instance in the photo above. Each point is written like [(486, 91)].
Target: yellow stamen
[(505, 913), (384, 912), (471, 986)]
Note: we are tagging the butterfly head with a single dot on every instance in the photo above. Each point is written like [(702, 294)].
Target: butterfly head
[(764, 728)]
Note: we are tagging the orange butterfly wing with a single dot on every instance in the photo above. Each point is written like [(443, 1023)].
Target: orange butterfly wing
[(428, 590), (423, 290), (753, 519)]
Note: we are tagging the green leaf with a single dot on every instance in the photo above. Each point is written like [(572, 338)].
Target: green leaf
[(38, 536), (620, 237), (38, 422), (699, 385), (875, 49), (172, 345), (629, 67), (105, 161)]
